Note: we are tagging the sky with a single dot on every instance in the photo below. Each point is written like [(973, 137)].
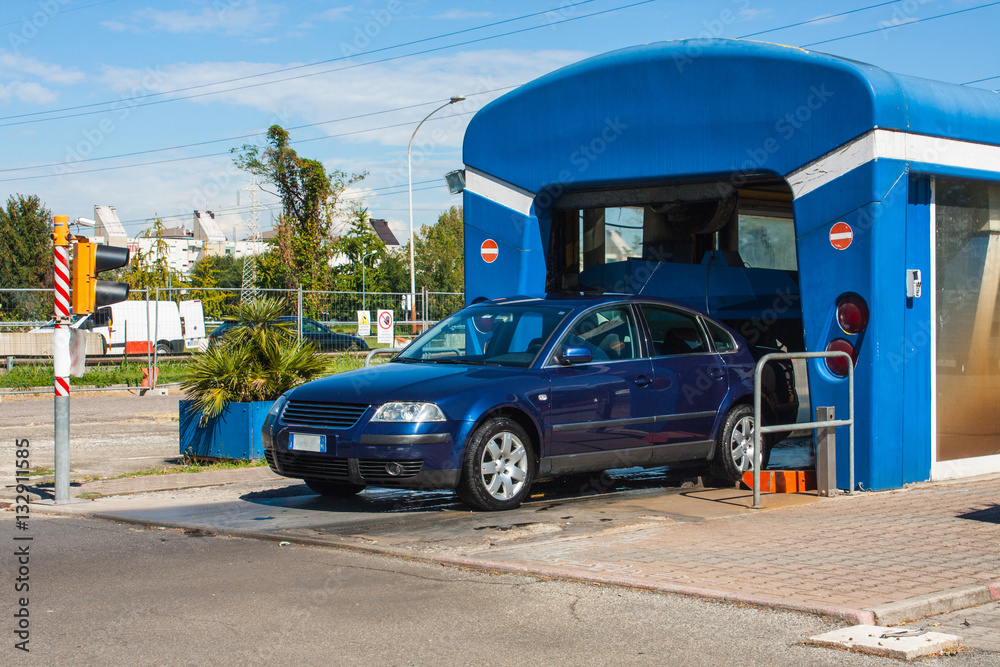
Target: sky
[(137, 104)]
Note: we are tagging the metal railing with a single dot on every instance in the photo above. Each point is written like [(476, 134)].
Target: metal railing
[(760, 430), (381, 350)]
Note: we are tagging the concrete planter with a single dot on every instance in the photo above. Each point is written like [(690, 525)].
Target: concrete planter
[(234, 434)]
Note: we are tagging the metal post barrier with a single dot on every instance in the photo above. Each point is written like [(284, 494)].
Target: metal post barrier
[(298, 321), (760, 430)]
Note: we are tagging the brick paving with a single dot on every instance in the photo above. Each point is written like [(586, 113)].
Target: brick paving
[(854, 552)]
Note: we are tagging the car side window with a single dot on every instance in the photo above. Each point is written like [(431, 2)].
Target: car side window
[(673, 332), (723, 341), (609, 333), (312, 328)]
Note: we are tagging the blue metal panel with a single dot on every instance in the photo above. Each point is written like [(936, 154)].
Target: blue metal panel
[(234, 434), (917, 352), (520, 258)]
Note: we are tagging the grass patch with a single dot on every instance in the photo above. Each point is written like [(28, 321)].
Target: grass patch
[(125, 373), (190, 464), (38, 472), (89, 495)]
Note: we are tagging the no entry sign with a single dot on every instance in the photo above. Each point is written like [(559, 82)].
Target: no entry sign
[(489, 251), (841, 235), (386, 327)]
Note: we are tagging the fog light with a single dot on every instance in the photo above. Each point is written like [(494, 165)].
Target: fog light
[(838, 365), (394, 469)]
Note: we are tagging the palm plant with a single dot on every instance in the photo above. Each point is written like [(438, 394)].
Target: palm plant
[(257, 360)]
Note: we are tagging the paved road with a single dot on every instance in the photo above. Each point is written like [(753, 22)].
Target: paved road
[(103, 593), (108, 434)]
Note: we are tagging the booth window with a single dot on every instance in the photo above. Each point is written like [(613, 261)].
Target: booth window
[(967, 264)]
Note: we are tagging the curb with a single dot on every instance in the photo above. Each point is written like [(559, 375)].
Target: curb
[(942, 602), (932, 604)]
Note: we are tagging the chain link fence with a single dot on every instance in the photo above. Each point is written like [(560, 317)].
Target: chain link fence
[(146, 341)]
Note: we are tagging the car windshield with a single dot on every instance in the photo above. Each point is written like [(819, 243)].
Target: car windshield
[(494, 335)]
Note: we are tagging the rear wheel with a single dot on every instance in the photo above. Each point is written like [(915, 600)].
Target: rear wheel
[(334, 489), (734, 446), (498, 468), (162, 348)]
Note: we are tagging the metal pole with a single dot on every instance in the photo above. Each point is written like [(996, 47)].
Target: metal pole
[(156, 339), (61, 356), (409, 188), (298, 331), (756, 439)]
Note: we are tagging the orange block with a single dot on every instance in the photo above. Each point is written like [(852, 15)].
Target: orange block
[(138, 347), (782, 481)]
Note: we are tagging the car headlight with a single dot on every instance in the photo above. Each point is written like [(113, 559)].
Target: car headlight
[(277, 407), (408, 412)]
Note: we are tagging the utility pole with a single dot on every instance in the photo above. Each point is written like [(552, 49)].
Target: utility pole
[(249, 291)]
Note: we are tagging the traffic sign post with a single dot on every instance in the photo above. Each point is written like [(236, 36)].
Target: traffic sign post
[(61, 356), (386, 327)]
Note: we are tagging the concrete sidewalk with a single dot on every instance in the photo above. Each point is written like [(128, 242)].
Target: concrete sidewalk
[(880, 558)]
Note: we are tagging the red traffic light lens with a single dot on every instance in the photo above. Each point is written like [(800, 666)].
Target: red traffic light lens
[(852, 313), (838, 365)]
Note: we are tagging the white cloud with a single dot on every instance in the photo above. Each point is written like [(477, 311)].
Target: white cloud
[(230, 18), (462, 14), (361, 90), (751, 14), (334, 14), (32, 93), (15, 64)]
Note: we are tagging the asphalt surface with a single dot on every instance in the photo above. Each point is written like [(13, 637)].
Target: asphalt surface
[(110, 434), (104, 593)]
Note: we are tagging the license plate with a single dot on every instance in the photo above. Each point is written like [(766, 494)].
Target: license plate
[(307, 442)]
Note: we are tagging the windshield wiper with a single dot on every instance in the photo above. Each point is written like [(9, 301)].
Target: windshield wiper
[(462, 362)]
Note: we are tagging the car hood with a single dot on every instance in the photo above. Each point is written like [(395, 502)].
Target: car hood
[(405, 382)]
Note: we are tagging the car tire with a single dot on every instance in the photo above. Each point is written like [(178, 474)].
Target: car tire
[(334, 489), (162, 348), (734, 446), (498, 467)]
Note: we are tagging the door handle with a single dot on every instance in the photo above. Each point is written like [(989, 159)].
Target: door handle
[(642, 381), (716, 373)]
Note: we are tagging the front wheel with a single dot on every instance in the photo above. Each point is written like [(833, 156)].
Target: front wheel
[(334, 489), (734, 446), (498, 468)]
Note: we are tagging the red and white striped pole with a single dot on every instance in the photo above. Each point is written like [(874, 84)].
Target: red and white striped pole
[(61, 355)]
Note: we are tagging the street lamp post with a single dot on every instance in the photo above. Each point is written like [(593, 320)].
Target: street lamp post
[(363, 257), (409, 175)]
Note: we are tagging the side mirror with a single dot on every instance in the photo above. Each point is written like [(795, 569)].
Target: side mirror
[(576, 355)]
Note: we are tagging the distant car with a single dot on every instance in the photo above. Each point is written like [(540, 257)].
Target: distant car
[(315, 332), (509, 391)]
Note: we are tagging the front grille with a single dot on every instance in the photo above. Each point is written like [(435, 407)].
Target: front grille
[(322, 415), (304, 465), (269, 457), (374, 469)]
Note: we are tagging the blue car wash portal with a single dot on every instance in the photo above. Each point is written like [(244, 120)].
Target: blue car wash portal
[(809, 202)]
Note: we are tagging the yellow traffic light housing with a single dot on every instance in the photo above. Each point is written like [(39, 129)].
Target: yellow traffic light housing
[(89, 260)]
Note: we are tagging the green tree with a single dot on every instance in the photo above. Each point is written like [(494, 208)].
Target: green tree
[(26, 255), (440, 253), (359, 240), (310, 198), (226, 270), (205, 275)]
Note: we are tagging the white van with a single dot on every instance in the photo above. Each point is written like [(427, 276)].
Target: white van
[(129, 327)]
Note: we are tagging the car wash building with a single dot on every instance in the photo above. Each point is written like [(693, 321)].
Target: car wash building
[(810, 202)]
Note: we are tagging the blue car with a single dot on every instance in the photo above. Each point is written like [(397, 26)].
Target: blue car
[(514, 390)]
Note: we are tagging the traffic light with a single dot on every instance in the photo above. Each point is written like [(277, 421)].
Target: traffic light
[(90, 259)]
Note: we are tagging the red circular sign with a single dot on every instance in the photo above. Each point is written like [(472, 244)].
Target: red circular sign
[(385, 320), (489, 251), (841, 236)]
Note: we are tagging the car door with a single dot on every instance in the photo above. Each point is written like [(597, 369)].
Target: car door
[(317, 334), (603, 407), (690, 381)]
